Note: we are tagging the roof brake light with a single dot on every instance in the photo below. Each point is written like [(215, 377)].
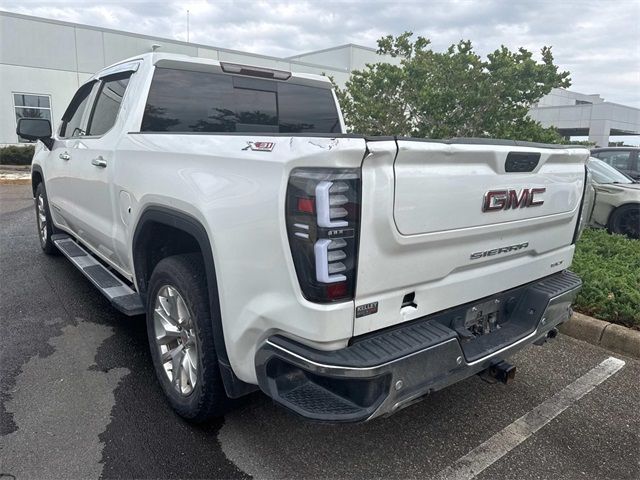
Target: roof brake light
[(255, 71)]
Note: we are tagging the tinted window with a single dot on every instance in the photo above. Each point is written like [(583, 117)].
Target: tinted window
[(306, 109), (72, 118), (184, 101), (256, 110), (108, 103), (617, 159)]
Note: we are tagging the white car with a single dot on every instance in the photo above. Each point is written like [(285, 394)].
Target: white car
[(617, 200), (345, 276)]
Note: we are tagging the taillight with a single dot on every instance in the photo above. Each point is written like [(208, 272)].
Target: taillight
[(323, 212)]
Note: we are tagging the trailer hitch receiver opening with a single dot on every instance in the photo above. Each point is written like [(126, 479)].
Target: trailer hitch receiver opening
[(499, 372)]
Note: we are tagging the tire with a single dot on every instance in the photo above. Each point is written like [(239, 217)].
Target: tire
[(183, 322), (625, 220), (43, 221)]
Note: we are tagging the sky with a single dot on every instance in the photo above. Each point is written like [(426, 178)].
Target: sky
[(597, 41)]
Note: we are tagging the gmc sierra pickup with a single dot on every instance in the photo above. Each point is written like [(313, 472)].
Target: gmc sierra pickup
[(344, 276)]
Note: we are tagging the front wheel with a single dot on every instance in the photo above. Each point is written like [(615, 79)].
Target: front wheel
[(180, 335), (43, 220), (625, 220)]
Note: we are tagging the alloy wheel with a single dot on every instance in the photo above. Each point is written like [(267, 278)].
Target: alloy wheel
[(42, 219), (176, 339)]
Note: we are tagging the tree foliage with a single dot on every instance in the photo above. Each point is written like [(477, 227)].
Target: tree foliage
[(16, 154), (454, 93)]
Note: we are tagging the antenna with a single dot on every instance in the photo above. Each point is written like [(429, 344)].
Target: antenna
[(187, 25)]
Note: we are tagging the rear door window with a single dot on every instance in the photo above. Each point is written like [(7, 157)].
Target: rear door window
[(186, 101), (107, 105)]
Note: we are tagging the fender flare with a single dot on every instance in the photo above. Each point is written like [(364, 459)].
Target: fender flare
[(177, 219), (37, 168)]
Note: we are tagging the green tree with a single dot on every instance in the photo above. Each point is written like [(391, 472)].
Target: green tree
[(454, 93)]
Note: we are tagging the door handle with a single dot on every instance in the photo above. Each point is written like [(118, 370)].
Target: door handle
[(65, 156), (99, 162)]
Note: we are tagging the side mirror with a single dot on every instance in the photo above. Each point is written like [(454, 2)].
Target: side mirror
[(35, 129)]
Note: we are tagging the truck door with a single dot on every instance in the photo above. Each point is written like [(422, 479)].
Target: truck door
[(60, 165), (92, 198)]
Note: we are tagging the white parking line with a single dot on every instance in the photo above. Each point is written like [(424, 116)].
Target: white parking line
[(484, 455)]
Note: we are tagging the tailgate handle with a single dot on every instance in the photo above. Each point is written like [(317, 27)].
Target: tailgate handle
[(409, 301), (521, 161)]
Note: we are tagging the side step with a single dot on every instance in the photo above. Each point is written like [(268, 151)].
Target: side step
[(121, 296)]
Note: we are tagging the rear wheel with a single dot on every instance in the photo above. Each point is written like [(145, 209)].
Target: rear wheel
[(625, 220), (180, 335), (43, 220)]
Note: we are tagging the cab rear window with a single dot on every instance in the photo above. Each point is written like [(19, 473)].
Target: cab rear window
[(186, 101)]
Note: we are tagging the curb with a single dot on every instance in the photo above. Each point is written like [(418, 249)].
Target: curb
[(15, 174), (16, 168), (607, 335), (14, 180)]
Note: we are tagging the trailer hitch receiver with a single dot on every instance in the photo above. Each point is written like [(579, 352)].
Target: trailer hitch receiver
[(499, 372)]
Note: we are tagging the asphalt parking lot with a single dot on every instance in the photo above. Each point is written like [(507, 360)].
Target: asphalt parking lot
[(79, 400)]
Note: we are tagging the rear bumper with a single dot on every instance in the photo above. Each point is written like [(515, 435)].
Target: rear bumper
[(384, 372)]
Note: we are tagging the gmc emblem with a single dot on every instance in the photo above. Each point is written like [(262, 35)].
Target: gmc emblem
[(505, 199)]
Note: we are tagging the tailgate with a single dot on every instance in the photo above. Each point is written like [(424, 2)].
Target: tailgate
[(448, 223)]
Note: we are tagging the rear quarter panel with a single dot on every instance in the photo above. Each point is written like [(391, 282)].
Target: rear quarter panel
[(238, 195)]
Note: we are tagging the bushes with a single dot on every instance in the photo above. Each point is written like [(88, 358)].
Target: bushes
[(16, 155), (609, 266)]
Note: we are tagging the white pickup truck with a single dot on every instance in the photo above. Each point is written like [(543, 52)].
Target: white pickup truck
[(344, 276)]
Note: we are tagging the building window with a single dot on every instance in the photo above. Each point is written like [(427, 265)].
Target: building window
[(27, 105)]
